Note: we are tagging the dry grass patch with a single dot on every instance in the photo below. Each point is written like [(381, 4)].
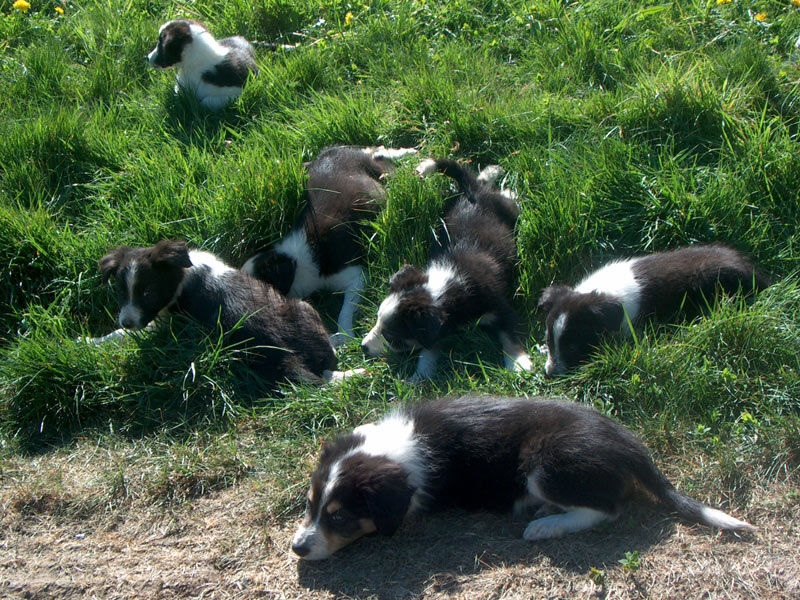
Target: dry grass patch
[(224, 545)]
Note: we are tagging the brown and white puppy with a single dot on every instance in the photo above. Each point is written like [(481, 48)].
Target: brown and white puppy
[(659, 285), (470, 276), (215, 71), (284, 338), (325, 248), (484, 453)]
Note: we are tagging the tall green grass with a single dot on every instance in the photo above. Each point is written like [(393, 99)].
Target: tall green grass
[(624, 127)]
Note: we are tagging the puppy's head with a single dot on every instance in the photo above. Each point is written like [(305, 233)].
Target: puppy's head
[(352, 494), (147, 279), (274, 268), (575, 324), (408, 319), (173, 38)]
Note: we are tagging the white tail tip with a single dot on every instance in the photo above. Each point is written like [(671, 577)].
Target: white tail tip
[(717, 518)]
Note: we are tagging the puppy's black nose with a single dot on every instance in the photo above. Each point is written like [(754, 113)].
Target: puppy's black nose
[(127, 323), (364, 349), (300, 549)]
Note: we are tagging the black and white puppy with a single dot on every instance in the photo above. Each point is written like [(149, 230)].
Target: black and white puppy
[(660, 286), (284, 338), (325, 248), (213, 70), (470, 276), (484, 453)]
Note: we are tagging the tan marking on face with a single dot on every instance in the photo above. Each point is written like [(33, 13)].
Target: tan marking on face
[(333, 506), (367, 526), (335, 542)]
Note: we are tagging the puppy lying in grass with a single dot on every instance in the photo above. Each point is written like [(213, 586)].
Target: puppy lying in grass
[(627, 292), (484, 453), (215, 71), (284, 338)]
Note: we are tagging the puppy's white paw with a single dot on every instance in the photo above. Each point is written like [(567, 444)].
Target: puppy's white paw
[(339, 376)]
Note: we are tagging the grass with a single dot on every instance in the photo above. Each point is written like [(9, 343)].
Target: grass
[(625, 128)]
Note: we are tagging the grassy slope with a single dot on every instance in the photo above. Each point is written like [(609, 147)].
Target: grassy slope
[(625, 128)]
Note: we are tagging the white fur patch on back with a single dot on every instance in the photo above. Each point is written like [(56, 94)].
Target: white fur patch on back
[(202, 259), (394, 437), (616, 279), (441, 275)]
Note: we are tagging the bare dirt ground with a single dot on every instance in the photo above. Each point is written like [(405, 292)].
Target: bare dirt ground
[(222, 546)]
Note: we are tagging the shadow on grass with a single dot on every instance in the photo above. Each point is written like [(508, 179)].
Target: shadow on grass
[(436, 553), (177, 379), (192, 124)]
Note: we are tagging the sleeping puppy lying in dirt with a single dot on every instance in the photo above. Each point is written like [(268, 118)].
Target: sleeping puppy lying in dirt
[(484, 453)]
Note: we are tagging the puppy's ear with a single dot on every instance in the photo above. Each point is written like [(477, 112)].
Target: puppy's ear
[(274, 268), (608, 313), (109, 264), (171, 253), (407, 277), (551, 295), (388, 497)]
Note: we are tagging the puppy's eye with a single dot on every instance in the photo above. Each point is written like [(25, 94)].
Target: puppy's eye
[(338, 516)]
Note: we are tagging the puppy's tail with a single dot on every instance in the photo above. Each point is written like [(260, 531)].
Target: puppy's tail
[(686, 507), (467, 182)]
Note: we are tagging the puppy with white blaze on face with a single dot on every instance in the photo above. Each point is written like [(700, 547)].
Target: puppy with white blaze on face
[(215, 71), (470, 276), (627, 292), (511, 454), (284, 338)]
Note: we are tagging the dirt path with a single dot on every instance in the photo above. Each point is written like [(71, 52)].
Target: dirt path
[(222, 547)]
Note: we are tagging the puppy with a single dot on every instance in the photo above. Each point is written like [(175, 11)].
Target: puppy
[(284, 338), (660, 285), (470, 276), (215, 71), (325, 248), (484, 453)]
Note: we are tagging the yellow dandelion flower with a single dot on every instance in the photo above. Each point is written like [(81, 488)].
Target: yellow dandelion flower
[(724, 1), (348, 18), (59, 10), (796, 2), (22, 6), (762, 16)]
